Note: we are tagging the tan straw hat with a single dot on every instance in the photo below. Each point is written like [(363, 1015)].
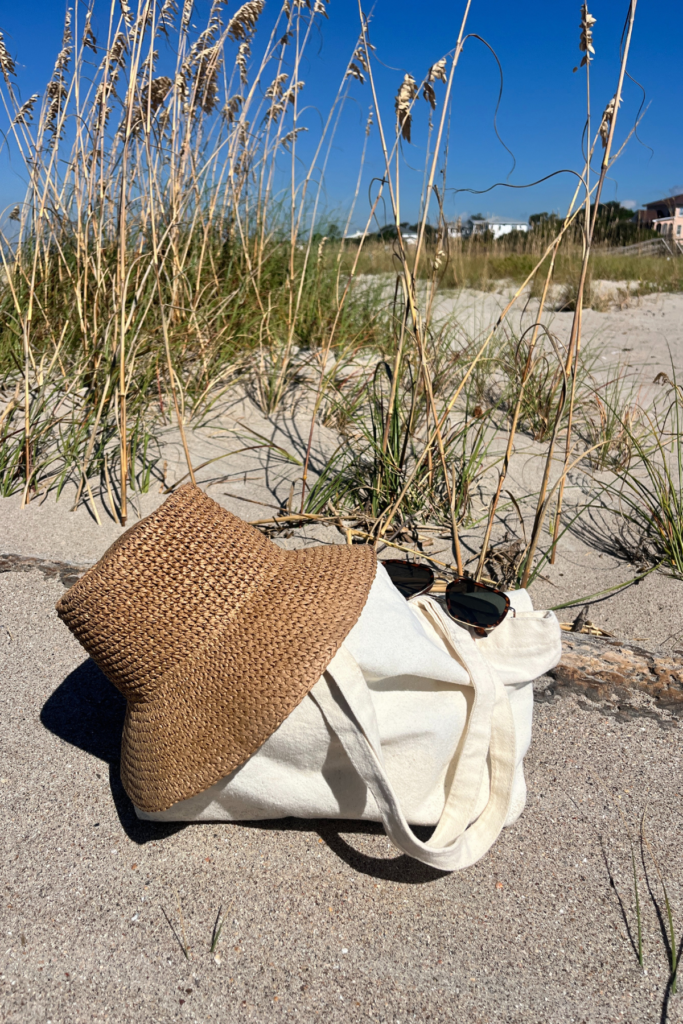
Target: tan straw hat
[(213, 634)]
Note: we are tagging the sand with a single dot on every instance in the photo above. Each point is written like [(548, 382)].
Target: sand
[(322, 919)]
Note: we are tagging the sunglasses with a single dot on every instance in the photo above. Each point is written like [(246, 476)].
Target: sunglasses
[(471, 603)]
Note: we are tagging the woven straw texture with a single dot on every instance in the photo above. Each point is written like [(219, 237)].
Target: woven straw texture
[(213, 634)]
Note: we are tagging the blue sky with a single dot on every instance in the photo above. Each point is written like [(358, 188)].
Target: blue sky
[(541, 115)]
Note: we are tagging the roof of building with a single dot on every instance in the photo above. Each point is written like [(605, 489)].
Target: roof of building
[(667, 201)]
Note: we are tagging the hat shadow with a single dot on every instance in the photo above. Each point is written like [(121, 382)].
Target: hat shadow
[(87, 711)]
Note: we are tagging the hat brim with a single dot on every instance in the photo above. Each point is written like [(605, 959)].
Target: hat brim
[(215, 708)]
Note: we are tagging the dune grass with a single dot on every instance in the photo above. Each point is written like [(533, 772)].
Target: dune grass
[(470, 263), (173, 244)]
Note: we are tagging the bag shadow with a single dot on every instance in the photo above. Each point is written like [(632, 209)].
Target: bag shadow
[(393, 869), (399, 868), (88, 712)]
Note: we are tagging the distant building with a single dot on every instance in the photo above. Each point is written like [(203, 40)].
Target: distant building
[(496, 226), (664, 216)]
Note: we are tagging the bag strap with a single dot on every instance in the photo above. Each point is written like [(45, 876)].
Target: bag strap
[(471, 758), (344, 699)]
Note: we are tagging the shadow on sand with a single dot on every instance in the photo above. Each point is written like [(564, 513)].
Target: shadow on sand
[(88, 712)]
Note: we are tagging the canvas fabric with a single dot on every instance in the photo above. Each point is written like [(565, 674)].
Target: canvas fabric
[(413, 723)]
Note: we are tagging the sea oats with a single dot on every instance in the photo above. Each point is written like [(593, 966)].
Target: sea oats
[(243, 23), (357, 62), (56, 91), (201, 68), (353, 71), (205, 39), (144, 21), (167, 16), (89, 39), (319, 7), (158, 91), (404, 98), (7, 64), (586, 38), (241, 61), (188, 8), (360, 56), (437, 72), (231, 108), (606, 123), (56, 94), (147, 66), (25, 112), (15, 214), (276, 109), (243, 133), (290, 95), (153, 97), (112, 63), (290, 137), (275, 87), (429, 94), (116, 57), (64, 55), (126, 12), (207, 80)]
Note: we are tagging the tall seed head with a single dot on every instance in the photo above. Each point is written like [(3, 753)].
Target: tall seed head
[(25, 112), (607, 118), (291, 137), (126, 12), (231, 108), (404, 98), (89, 39), (243, 24), (241, 61), (586, 38), (357, 62), (275, 87), (188, 7), (437, 72), (167, 16), (7, 65)]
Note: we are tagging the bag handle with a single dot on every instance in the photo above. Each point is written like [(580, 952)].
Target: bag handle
[(344, 699)]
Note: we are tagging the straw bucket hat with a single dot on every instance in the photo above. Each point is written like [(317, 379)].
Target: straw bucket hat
[(213, 634)]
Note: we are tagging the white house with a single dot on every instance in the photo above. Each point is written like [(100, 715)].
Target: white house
[(497, 226)]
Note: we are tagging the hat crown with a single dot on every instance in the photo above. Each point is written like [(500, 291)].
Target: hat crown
[(164, 588)]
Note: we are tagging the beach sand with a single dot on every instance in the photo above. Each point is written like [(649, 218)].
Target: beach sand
[(322, 919)]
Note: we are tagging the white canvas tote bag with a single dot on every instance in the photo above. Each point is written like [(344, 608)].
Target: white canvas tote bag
[(413, 723)]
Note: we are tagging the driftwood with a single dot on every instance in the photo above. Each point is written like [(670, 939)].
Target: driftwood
[(609, 669), (600, 668)]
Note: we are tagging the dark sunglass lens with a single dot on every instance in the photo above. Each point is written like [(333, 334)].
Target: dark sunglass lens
[(410, 579), (475, 605)]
